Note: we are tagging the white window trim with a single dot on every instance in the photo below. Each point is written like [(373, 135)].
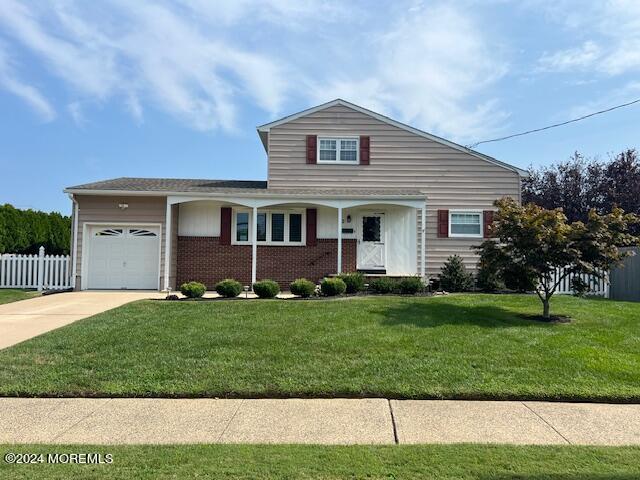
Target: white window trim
[(286, 213), (467, 235), (337, 161)]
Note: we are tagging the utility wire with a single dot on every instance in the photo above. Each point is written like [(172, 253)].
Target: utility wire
[(474, 145)]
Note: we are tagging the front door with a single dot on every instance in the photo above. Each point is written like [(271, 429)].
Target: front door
[(371, 248)]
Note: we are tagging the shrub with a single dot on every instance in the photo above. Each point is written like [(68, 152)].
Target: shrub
[(266, 288), (353, 281), (302, 287), (454, 276), (192, 289), (383, 285), (229, 288), (332, 287), (410, 285), (488, 279)]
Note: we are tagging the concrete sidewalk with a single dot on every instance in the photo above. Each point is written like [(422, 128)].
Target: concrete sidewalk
[(25, 319), (315, 421)]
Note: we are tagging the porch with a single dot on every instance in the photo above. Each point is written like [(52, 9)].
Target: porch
[(289, 237)]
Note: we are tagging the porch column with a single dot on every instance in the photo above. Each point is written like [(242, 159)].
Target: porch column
[(254, 245), (167, 246), (423, 230), (339, 240)]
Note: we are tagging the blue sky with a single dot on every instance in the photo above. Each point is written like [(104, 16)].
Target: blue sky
[(95, 90)]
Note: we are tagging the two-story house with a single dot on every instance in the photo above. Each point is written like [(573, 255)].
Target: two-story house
[(347, 189)]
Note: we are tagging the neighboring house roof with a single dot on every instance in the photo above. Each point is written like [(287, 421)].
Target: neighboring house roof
[(151, 186), (263, 131)]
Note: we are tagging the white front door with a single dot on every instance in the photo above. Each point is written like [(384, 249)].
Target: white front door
[(371, 248), (123, 257)]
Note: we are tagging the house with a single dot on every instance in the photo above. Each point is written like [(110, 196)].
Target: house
[(347, 189)]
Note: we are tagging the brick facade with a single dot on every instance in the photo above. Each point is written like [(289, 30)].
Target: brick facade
[(205, 260)]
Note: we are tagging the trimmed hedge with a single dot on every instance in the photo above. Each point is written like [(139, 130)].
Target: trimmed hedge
[(383, 285), (229, 288), (302, 287), (193, 289), (332, 287), (266, 288), (354, 281), (410, 285)]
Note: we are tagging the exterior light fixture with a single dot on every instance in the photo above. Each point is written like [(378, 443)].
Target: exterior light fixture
[(123, 206)]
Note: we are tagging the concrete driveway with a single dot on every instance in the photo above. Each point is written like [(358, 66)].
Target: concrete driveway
[(25, 319)]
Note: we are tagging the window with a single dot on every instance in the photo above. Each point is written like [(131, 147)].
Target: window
[(242, 227), (344, 150), (273, 227), (277, 227), (465, 224), (262, 227), (295, 227)]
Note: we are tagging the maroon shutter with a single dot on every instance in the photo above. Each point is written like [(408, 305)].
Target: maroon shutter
[(487, 218), (312, 152), (364, 150), (225, 226), (443, 223), (312, 228)]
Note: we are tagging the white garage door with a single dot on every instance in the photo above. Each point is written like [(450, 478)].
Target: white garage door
[(123, 257)]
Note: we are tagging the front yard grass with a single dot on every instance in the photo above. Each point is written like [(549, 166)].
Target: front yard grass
[(457, 346), (460, 462), (8, 295)]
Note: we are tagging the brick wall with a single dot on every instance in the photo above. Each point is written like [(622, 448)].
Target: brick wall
[(203, 259)]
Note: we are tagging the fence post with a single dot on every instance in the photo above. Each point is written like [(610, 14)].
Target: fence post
[(40, 268)]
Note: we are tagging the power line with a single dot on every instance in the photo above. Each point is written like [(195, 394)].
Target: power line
[(474, 145)]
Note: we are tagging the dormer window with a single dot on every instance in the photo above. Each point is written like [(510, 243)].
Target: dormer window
[(338, 150)]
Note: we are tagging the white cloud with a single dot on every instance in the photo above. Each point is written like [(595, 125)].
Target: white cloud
[(432, 68), (571, 59), (202, 61), (626, 93), (75, 110), (147, 53), (613, 28), (10, 82)]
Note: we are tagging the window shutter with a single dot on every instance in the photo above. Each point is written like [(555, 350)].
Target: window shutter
[(487, 218), (225, 226), (312, 151), (443, 223), (312, 227), (364, 150)]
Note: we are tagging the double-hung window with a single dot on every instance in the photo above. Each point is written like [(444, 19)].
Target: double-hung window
[(338, 150), (465, 224), (273, 227)]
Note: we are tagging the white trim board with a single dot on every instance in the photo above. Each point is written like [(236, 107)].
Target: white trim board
[(263, 131)]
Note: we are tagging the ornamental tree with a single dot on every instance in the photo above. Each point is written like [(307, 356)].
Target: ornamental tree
[(537, 241)]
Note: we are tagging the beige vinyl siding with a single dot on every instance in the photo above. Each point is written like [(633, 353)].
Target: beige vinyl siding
[(104, 209), (451, 179)]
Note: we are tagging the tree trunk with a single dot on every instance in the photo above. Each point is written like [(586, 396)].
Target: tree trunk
[(545, 308)]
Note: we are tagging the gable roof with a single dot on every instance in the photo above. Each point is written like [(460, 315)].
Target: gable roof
[(263, 131)]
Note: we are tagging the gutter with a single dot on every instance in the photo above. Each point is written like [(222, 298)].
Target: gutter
[(272, 194)]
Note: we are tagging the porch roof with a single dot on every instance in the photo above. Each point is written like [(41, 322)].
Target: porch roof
[(244, 188)]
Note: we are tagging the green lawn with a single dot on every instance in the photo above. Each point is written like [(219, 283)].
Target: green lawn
[(458, 346), (8, 295), (458, 462)]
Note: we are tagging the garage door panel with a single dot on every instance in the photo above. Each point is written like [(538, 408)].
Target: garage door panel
[(123, 258)]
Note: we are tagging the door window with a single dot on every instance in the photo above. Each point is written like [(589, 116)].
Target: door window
[(370, 229)]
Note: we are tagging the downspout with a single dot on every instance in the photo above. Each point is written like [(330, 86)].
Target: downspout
[(74, 236)]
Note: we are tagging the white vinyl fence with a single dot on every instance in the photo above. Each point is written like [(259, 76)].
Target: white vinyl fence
[(597, 286), (48, 272)]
